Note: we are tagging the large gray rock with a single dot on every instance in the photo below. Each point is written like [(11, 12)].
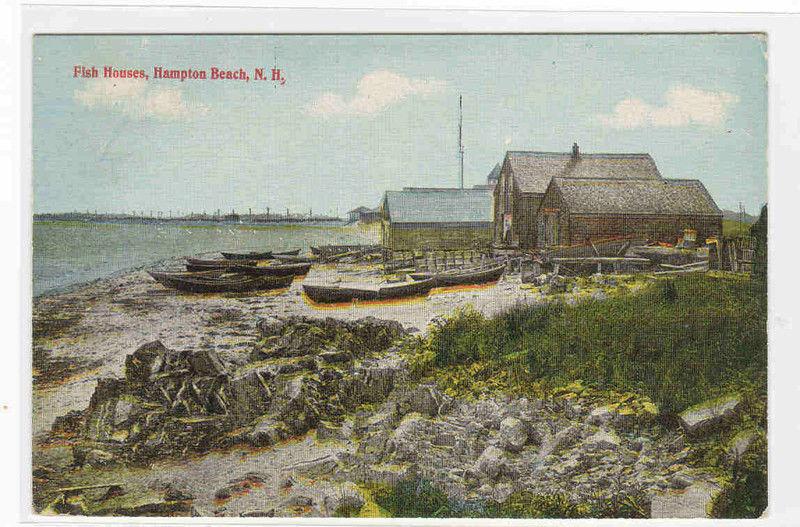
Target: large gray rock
[(707, 415), (205, 362), (147, 361), (491, 462), (691, 502), (513, 434), (425, 399), (347, 496), (739, 445)]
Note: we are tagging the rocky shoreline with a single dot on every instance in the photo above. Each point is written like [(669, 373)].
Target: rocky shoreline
[(249, 410)]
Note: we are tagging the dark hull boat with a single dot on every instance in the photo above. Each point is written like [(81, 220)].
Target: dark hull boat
[(248, 256), (233, 283), (328, 294), (463, 276), (293, 252), (330, 250), (296, 269), (616, 246), (295, 259), (197, 264)]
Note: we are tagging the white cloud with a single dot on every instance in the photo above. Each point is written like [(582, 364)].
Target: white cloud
[(684, 105), (375, 92), (134, 98)]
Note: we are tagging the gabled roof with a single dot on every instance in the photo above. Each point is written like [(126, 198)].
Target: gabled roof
[(532, 171), (620, 196), (360, 210), (494, 175), (439, 205)]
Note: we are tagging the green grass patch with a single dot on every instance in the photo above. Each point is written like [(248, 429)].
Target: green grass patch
[(678, 341), (735, 229)]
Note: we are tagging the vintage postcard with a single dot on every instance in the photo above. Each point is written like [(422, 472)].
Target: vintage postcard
[(399, 275)]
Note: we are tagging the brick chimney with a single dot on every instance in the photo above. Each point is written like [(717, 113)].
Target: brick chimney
[(575, 151)]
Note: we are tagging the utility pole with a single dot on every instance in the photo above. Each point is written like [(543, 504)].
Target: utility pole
[(460, 144)]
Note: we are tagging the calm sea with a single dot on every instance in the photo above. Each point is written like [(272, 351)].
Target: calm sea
[(68, 253)]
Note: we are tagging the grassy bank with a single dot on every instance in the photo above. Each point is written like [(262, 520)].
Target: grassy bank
[(676, 342), (679, 342)]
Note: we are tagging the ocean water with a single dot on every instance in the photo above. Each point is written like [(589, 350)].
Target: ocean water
[(68, 253)]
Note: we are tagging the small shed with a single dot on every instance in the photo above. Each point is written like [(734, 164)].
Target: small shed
[(576, 209), (358, 213), (436, 219)]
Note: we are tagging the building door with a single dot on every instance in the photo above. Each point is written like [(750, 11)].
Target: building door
[(548, 228)]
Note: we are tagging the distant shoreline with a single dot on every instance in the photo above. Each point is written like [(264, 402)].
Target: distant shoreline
[(60, 218)]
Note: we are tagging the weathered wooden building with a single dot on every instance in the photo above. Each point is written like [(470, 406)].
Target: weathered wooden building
[(436, 219), (576, 209), (364, 214), (525, 175)]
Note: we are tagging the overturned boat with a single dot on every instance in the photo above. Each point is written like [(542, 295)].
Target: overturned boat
[(198, 264), (289, 269), (267, 255), (289, 258), (222, 283), (328, 294), (463, 276)]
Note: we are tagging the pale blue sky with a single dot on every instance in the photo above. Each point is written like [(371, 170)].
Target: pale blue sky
[(362, 114)]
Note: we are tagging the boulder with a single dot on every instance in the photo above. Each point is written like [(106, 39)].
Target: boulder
[(270, 326), (147, 361), (205, 362), (739, 445), (425, 399), (250, 393), (707, 415), (340, 431), (488, 413), (405, 439), (491, 462), (266, 432), (691, 502), (347, 496), (369, 384), (513, 434)]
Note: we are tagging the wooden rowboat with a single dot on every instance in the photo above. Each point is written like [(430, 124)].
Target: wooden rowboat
[(295, 259), (198, 264), (248, 256), (615, 246), (295, 269), (463, 276), (233, 283), (337, 293), (329, 250), (292, 252)]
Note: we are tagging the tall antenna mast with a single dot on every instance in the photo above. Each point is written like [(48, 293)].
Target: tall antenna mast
[(460, 144)]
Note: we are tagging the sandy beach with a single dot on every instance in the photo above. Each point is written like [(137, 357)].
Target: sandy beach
[(86, 333)]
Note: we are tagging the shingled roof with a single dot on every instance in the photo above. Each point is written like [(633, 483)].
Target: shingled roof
[(619, 196), (439, 205), (532, 171)]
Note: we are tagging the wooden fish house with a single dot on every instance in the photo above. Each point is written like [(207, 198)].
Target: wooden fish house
[(525, 176), (576, 209), (425, 219)]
